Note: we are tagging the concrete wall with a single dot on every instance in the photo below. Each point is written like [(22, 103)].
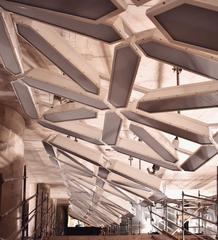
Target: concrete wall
[(11, 132), (11, 196), (11, 166)]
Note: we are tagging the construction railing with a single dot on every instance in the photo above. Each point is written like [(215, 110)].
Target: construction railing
[(175, 218), (43, 228), (129, 228)]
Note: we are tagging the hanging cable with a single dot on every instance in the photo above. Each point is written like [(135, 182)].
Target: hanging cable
[(178, 71)]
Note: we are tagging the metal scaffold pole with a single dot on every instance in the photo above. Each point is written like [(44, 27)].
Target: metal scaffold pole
[(166, 217), (217, 202), (183, 229), (24, 213)]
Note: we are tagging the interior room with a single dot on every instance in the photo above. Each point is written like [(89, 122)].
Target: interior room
[(108, 119)]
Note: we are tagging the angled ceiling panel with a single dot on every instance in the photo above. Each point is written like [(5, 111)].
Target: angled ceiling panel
[(190, 96), (137, 192), (101, 31), (103, 172), (173, 123), (89, 10), (25, 97), (87, 182), (125, 66), (9, 49), (129, 186), (113, 207), (58, 85), (105, 214), (140, 2), (69, 112), (135, 175), (113, 204), (71, 170), (78, 130), (63, 156), (118, 180), (155, 140), (100, 183), (112, 125), (48, 148), (144, 152), (112, 211), (189, 22), (54, 161), (199, 158), (58, 50), (87, 187), (77, 149), (159, 49), (113, 189), (116, 202)]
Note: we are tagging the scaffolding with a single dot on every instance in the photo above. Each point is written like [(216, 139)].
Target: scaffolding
[(190, 215), (43, 209)]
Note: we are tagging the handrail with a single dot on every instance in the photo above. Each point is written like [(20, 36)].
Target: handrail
[(6, 180), (190, 214), (164, 218), (179, 227), (175, 225), (29, 220), (28, 215), (200, 198), (2, 216), (210, 230), (189, 218)]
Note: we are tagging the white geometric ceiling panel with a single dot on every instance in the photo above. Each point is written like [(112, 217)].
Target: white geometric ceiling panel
[(173, 123), (157, 141), (200, 157), (111, 131), (135, 175), (77, 130), (61, 86), (77, 149), (53, 47), (69, 112), (154, 45), (125, 65), (189, 22), (100, 31), (189, 96), (26, 99), (89, 10), (9, 48), (142, 151)]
